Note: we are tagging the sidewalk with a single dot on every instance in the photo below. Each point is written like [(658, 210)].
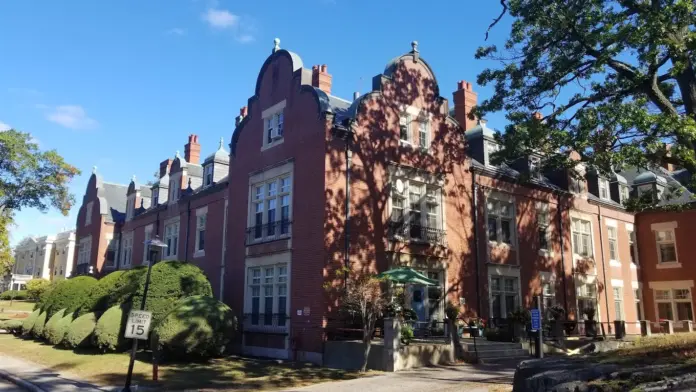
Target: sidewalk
[(464, 378), (49, 380)]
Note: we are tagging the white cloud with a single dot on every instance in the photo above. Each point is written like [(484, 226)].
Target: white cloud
[(71, 116), (176, 31), (4, 127), (220, 19)]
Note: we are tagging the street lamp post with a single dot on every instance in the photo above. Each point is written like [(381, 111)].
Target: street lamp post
[(156, 246)]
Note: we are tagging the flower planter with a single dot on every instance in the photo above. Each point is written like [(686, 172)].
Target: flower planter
[(590, 328)]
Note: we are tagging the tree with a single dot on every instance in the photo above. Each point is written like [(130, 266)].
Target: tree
[(6, 258), (362, 296), (32, 178), (614, 81), (37, 287)]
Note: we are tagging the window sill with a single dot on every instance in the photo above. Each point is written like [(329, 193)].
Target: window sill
[(669, 265), (615, 263), (199, 253), (272, 144)]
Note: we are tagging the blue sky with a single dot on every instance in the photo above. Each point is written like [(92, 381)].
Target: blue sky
[(120, 84)]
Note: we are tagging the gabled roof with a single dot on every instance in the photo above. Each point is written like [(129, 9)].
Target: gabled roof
[(506, 171), (112, 201), (675, 191)]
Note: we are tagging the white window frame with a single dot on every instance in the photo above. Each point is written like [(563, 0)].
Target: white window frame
[(491, 148), (619, 313), (276, 191), (503, 291), (84, 250), (543, 225), (147, 236), (575, 226), (584, 292), (405, 121), (613, 243), (430, 196), (273, 125), (171, 238), (88, 213), (673, 301), (277, 281), (672, 241), (603, 189), (494, 210), (126, 250), (623, 193), (424, 136), (201, 223)]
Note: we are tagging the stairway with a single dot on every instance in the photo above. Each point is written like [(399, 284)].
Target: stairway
[(493, 352)]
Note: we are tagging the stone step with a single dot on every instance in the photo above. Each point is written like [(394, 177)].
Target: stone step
[(510, 360), (493, 347), (501, 353)]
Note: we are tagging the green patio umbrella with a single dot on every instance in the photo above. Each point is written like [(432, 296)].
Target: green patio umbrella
[(407, 275)]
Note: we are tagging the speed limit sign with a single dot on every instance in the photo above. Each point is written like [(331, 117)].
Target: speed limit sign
[(138, 325)]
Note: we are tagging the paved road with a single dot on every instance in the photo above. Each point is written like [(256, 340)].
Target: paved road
[(462, 378), (6, 386)]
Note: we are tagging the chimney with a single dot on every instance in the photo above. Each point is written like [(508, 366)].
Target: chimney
[(464, 100), (321, 78), (666, 165), (165, 165), (192, 150), (356, 95), (243, 111)]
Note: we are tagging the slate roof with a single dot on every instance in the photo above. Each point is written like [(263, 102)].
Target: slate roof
[(673, 184), (115, 197), (219, 156), (511, 173)]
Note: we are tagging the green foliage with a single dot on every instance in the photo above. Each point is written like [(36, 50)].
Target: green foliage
[(406, 334), (108, 334), (43, 298), (14, 294), (32, 178), (56, 335), (36, 288), (200, 326), (39, 325), (104, 293), (69, 294), (170, 281), (6, 257), (49, 331), (28, 324), (614, 82), (81, 331), (12, 326)]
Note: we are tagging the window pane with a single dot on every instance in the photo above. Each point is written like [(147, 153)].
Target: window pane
[(543, 239), (684, 311), (510, 304), (510, 285), (285, 185), (668, 253), (664, 311), (664, 235), (272, 189), (506, 231), (681, 294), (662, 294), (492, 229), (495, 284), (612, 250), (497, 311)]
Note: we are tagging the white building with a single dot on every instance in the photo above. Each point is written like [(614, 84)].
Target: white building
[(49, 257)]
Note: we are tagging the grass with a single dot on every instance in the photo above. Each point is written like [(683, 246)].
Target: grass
[(224, 373), (24, 306)]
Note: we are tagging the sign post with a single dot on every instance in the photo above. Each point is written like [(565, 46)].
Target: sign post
[(536, 326)]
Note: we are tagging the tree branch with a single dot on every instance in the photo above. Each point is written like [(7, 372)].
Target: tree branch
[(496, 20)]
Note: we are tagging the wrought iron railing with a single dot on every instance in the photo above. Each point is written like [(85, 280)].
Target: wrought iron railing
[(416, 232), (266, 322), (269, 232)]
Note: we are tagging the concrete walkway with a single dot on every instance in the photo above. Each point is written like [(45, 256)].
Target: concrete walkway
[(464, 378), (43, 379)]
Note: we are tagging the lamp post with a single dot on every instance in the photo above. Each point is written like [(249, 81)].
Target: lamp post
[(155, 246)]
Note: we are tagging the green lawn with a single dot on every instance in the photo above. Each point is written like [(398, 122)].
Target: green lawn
[(9, 306), (225, 373)]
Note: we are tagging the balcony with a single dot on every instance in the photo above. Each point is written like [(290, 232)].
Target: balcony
[(276, 323), (268, 232), (415, 232)]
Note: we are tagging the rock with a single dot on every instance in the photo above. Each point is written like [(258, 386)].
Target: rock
[(545, 374), (572, 386)]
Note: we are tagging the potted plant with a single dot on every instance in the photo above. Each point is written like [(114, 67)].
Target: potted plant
[(520, 319), (590, 325), (556, 314), (476, 326), (406, 334)]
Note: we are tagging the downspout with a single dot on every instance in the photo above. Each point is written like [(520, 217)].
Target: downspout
[(188, 224), (224, 250), (560, 232), (604, 270), (349, 156), (476, 243)]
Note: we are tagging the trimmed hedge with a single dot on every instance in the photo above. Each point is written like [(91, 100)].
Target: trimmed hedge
[(28, 323), (57, 334), (12, 326), (170, 281), (81, 331), (200, 326), (46, 295), (116, 288), (39, 325), (108, 334), (17, 294), (36, 288), (69, 294), (49, 330)]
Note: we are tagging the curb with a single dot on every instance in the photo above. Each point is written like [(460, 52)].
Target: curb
[(26, 385)]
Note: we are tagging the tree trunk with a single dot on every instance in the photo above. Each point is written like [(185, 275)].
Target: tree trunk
[(368, 345), (454, 335)]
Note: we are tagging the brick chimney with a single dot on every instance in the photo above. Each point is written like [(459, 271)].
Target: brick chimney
[(192, 150), (165, 165), (243, 111), (537, 116), (321, 78), (464, 100), (666, 165)]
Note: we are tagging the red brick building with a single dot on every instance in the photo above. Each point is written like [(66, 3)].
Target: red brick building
[(268, 221)]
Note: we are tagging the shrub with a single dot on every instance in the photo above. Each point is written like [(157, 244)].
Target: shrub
[(200, 326), (69, 294), (81, 331), (100, 297), (28, 323), (12, 326), (43, 298), (108, 334), (57, 334), (36, 288), (14, 294), (49, 331), (39, 325), (170, 281)]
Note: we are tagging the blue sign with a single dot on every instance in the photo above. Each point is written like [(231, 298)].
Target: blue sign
[(536, 319)]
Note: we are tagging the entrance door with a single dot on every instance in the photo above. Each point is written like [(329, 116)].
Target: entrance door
[(417, 301)]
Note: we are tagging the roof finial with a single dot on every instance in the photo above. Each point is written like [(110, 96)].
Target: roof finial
[(276, 45), (133, 178), (94, 170), (222, 143), (176, 155), (414, 45)]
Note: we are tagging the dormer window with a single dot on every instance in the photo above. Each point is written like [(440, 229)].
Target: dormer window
[(491, 148), (623, 191), (535, 167), (208, 176), (174, 189), (577, 185), (405, 128), (603, 189), (155, 197)]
